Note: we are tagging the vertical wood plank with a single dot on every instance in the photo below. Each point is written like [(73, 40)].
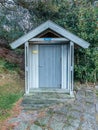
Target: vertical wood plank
[(64, 67), (30, 67), (71, 68), (68, 67), (34, 66), (50, 66), (26, 68)]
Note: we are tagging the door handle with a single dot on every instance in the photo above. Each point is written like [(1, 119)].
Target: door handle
[(40, 65)]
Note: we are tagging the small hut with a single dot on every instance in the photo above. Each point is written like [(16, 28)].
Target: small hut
[(49, 57)]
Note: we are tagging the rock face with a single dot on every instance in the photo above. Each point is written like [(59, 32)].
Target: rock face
[(12, 17), (15, 14), (15, 20)]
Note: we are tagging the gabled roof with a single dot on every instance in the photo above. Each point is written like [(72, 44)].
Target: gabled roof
[(54, 27)]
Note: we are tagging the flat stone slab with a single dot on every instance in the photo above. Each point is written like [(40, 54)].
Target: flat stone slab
[(22, 126), (56, 125), (96, 87), (38, 100), (51, 111), (35, 127)]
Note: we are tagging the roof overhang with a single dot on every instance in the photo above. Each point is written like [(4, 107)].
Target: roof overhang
[(48, 40), (54, 27)]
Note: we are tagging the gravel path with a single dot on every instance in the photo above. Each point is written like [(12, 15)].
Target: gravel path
[(78, 114)]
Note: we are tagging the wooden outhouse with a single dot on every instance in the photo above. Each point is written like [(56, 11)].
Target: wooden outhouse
[(49, 57)]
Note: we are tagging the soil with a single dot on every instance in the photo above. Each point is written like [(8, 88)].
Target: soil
[(16, 110)]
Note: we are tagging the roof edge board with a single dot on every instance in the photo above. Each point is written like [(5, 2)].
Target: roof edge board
[(29, 35), (54, 27), (69, 35)]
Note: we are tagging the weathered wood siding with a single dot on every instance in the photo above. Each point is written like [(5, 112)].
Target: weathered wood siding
[(55, 61), (50, 66), (26, 67)]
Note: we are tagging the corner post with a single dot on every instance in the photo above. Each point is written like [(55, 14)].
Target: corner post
[(71, 84), (26, 68)]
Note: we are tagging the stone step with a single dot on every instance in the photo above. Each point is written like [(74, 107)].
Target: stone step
[(38, 104), (42, 90), (36, 107), (47, 95), (38, 100), (28, 102)]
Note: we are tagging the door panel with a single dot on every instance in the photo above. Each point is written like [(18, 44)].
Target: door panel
[(49, 66)]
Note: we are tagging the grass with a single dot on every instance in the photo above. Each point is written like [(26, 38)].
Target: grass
[(11, 88), (8, 97), (6, 103), (7, 100)]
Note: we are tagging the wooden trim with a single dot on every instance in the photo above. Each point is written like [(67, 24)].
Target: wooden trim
[(29, 35), (64, 66), (68, 35), (68, 71), (48, 43), (26, 68), (71, 67), (48, 39), (35, 68), (56, 28), (31, 66)]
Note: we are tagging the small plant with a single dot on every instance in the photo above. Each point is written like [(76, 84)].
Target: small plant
[(7, 66), (10, 66)]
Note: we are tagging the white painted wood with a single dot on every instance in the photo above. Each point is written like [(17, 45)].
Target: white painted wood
[(50, 25), (48, 42), (71, 67), (29, 35), (30, 67), (68, 35), (64, 66), (68, 68), (48, 39), (34, 67), (26, 68)]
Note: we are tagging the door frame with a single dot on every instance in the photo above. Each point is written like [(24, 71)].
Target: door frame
[(34, 66)]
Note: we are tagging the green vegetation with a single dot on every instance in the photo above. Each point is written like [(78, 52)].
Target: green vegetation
[(11, 87), (13, 30), (7, 66), (77, 16), (81, 18), (6, 103)]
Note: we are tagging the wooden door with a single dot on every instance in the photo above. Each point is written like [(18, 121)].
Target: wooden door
[(49, 66)]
